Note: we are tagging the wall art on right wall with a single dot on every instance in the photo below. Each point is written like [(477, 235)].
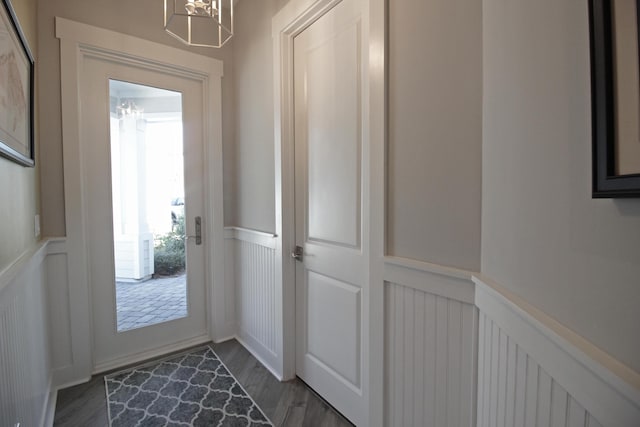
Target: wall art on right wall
[(615, 93)]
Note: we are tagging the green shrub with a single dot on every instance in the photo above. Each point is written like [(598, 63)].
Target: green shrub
[(169, 251)]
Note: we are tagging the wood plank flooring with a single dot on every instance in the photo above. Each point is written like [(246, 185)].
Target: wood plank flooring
[(290, 404)]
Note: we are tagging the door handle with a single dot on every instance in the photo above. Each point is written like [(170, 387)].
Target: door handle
[(297, 253), (198, 235)]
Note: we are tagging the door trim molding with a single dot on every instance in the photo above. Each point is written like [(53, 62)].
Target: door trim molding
[(286, 24), (78, 41)]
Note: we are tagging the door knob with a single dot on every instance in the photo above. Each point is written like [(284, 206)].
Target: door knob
[(297, 253)]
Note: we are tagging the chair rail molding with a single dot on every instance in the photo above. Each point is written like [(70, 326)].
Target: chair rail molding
[(448, 282), (261, 238)]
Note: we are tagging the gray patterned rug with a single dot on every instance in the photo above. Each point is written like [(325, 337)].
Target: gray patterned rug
[(189, 389)]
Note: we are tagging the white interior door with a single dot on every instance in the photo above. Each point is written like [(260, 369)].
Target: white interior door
[(103, 114), (331, 209)]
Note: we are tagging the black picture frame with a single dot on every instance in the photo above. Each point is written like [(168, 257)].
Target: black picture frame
[(606, 183), (18, 148)]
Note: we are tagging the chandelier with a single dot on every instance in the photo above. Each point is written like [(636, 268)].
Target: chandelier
[(205, 23), (128, 108)]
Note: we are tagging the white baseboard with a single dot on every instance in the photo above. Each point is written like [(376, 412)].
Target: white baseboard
[(225, 339), (62, 386), (260, 358), (49, 407), (149, 354)]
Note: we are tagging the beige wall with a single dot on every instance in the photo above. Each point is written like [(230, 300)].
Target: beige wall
[(627, 101), (543, 236), (253, 91), (435, 141), (19, 201), (435, 118), (140, 18)]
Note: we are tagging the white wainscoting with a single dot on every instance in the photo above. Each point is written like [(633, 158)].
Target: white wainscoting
[(256, 305), (515, 391), (456, 351), (64, 372), (530, 375), (25, 371), (430, 345)]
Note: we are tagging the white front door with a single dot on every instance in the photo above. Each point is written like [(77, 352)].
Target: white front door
[(331, 209), (137, 188)]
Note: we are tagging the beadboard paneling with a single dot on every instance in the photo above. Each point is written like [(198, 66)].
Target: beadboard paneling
[(25, 372), (530, 375), (515, 391), (256, 293), (429, 359)]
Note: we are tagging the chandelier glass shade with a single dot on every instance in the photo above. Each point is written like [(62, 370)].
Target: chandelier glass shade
[(128, 108), (205, 23)]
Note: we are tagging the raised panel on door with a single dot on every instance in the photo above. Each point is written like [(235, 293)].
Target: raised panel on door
[(334, 336), (333, 137), (331, 280)]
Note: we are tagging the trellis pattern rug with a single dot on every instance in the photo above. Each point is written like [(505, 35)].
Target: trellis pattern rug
[(189, 389)]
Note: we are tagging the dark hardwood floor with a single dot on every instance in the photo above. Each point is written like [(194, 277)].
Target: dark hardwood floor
[(291, 403)]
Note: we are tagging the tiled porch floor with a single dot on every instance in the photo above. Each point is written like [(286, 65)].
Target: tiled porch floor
[(154, 301)]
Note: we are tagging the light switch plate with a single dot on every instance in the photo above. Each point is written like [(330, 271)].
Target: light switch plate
[(37, 225)]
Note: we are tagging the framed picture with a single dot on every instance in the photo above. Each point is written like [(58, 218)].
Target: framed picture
[(16, 90)]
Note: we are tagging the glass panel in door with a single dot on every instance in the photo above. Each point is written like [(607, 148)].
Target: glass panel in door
[(147, 173)]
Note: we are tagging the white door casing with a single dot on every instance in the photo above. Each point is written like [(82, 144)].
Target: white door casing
[(80, 43), (290, 21), (110, 346), (332, 208)]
